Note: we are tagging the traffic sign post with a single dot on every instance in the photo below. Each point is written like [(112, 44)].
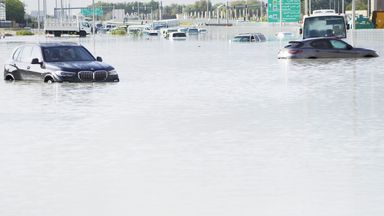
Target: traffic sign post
[(290, 9)]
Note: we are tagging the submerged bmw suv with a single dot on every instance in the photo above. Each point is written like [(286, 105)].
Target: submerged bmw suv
[(57, 62)]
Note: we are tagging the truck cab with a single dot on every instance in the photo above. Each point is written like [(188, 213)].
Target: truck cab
[(324, 23)]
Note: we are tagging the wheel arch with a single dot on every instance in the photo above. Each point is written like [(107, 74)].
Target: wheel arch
[(9, 77)]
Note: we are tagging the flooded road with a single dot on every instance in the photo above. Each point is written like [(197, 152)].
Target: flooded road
[(201, 127)]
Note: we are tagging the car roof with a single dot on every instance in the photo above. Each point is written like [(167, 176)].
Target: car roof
[(313, 39), (249, 34), (57, 44)]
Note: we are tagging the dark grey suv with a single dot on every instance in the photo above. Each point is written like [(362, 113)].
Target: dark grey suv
[(57, 62)]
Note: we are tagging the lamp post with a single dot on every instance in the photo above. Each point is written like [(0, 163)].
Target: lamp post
[(208, 9), (38, 16), (246, 10), (138, 10), (160, 12), (93, 26), (226, 12)]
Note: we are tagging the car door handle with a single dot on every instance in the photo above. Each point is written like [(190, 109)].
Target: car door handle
[(28, 67)]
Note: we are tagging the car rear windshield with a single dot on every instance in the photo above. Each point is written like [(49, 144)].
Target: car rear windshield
[(66, 54), (179, 34), (295, 44), (241, 39)]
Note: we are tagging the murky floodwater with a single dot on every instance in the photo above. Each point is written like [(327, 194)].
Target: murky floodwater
[(201, 127)]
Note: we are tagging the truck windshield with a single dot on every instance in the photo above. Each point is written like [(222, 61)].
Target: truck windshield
[(66, 54), (324, 26)]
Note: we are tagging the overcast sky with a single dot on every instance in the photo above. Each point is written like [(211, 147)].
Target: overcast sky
[(32, 4)]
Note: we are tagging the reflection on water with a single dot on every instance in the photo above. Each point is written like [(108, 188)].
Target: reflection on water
[(200, 127)]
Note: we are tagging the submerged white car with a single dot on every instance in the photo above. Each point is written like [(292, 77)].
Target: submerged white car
[(177, 36), (249, 37), (323, 48)]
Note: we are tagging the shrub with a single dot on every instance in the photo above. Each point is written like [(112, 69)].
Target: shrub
[(119, 31), (24, 32)]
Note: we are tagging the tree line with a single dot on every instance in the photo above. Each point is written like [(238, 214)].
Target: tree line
[(15, 9)]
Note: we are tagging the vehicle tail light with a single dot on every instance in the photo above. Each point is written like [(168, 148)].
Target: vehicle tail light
[(295, 51)]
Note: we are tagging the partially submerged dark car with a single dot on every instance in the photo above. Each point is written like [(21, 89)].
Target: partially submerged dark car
[(57, 62)]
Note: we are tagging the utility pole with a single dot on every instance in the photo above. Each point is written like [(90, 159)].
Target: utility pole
[(45, 11), (305, 7), (246, 10), (353, 14), (160, 12), (281, 15), (62, 12), (38, 16), (138, 10), (226, 12), (310, 7), (208, 17), (93, 18)]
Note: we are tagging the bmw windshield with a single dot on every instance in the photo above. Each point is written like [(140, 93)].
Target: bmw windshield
[(66, 54)]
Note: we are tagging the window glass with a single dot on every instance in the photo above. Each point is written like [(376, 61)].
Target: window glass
[(241, 39), (262, 37), (295, 44), (16, 53), (36, 53), (26, 54), (339, 44), (18, 57), (321, 44), (324, 26), (66, 54), (179, 34)]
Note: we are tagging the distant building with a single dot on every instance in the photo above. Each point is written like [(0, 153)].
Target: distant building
[(118, 14), (35, 14), (2, 12)]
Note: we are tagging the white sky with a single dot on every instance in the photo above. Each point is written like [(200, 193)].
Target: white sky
[(32, 4)]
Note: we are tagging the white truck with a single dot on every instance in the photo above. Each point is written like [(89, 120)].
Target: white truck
[(58, 27), (324, 23)]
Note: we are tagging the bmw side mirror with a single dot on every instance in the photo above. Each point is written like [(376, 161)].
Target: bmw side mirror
[(300, 31), (348, 26), (35, 61), (99, 59)]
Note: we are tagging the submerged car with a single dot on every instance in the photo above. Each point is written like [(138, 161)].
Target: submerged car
[(249, 37), (177, 36), (285, 36), (323, 48), (57, 62)]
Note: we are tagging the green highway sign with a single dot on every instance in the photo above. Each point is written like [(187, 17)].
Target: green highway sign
[(290, 8), (89, 12)]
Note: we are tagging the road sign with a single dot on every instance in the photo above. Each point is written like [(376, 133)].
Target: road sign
[(290, 8), (89, 12)]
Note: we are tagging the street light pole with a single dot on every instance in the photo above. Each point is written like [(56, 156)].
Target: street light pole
[(160, 12), (38, 16), (138, 10), (208, 9), (226, 12), (246, 10), (93, 26)]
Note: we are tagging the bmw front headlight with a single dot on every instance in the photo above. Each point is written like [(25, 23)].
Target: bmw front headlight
[(65, 73), (112, 72)]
